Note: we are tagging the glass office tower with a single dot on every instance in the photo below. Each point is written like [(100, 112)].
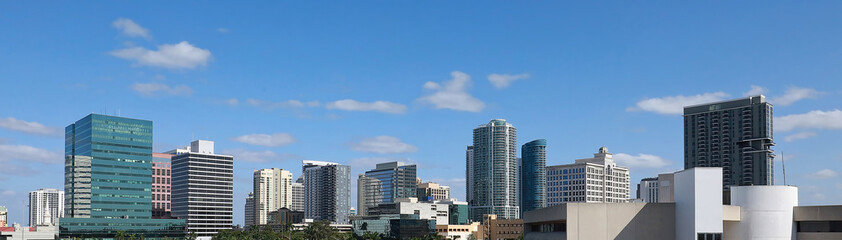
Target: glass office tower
[(533, 175), (108, 180), (387, 182)]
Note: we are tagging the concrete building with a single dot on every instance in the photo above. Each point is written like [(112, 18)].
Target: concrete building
[(394, 226), (818, 222), (16, 232), (248, 211), (496, 229), (647, 190), (118, 197), (457, 211), (492, 176), (666, 187), (272, 191), (298, 195), (735, 135), (4, 216), (432, 211), (43, 203), (458, 232), (696, 213), (284, 216), (592, 180), (161, 185), (533, 175), (431, 191), (203, 189), (385, 183), (327, 191)]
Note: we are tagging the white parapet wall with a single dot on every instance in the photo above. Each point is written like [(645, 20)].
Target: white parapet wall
[(766, 213), (698, 202)]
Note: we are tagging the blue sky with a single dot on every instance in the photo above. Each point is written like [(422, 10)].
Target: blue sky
[(366, 82)]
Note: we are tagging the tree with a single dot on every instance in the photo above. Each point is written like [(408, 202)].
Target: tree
[(192, 235), (321, 230), (472, 237), (372, 235), (121, 235)]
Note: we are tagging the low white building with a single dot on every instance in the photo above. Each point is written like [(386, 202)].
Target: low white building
[(432, 211), (591, 180), (647, 190)]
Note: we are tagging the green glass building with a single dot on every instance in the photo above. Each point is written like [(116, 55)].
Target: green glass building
[(108, 180)]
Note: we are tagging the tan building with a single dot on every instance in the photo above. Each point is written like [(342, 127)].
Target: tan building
[(457, 232), (499, 229), (431, 191), (272, 191), (818, 222)]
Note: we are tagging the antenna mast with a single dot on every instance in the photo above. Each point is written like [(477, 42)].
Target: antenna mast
[(783, 165)]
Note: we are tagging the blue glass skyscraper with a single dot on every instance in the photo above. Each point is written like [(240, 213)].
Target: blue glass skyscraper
[(385, 183), (533, 175), (108, 180)]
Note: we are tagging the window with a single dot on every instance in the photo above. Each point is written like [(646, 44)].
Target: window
[(709, 236)]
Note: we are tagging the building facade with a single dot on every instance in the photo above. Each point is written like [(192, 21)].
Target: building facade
[(203, 189), (327, 191), (431, 191), (457, 211), (533, 175), (387, 182), (394, 226), (735, 135), (4, 216), (647, 190), (593, 180), (493, 171), (248, 211), (45, 202), (108, 180), (438, 212), (469, 172), (161, 185), (493, 228), (298, 195), (272, 191)]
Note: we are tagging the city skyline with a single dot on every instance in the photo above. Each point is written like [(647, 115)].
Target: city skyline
[(325, 89)]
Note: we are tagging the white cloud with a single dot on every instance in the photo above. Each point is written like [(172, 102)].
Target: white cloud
[(27, 127), (282, 104), (452, 94), (177, 56), (383, 145), (222, 30), (501, 81), (755, 90), (264, 156), (672, 105), (366, 163), (274, 140), (641, 160), (152, 89), (812, 120), (794, 94), (232, 102), (7, 193), (824, 174), (799, 136), (28, 154), (130, 28), (379, 106)]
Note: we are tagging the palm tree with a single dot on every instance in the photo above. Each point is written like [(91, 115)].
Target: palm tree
[(121, 235)]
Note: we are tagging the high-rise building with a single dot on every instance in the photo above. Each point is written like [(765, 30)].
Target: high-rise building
[(4, 216), (431, 191), (533, 175), (592, 180), (367, 188), (469, 172), (161, 185), (108, 180), (735, 135), (298, 195), (45, 202), (272, 191), (647, 190), (203, 189), (327, 191), (387, 182), (492, 176), (249, 210)]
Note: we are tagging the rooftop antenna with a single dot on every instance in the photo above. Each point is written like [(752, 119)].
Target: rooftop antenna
[(783, 165)]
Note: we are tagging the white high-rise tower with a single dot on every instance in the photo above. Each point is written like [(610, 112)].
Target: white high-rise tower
[(43, 202), (492, 175)]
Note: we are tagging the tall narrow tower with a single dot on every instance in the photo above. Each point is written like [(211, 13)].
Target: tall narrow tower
[(272, 191), (533, 175), (493, 179)]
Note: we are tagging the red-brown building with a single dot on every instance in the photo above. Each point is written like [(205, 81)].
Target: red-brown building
[(161, 185)]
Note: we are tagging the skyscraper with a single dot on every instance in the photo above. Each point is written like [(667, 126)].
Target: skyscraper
[(272, 191), (387, 182), (367, 188), (249, 211), (161, 185), (327, 191), (735, 135), (469, 172), (203, 189), (45, 200), (493, 177), (108, 180), (533, 175), (298, 195)]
